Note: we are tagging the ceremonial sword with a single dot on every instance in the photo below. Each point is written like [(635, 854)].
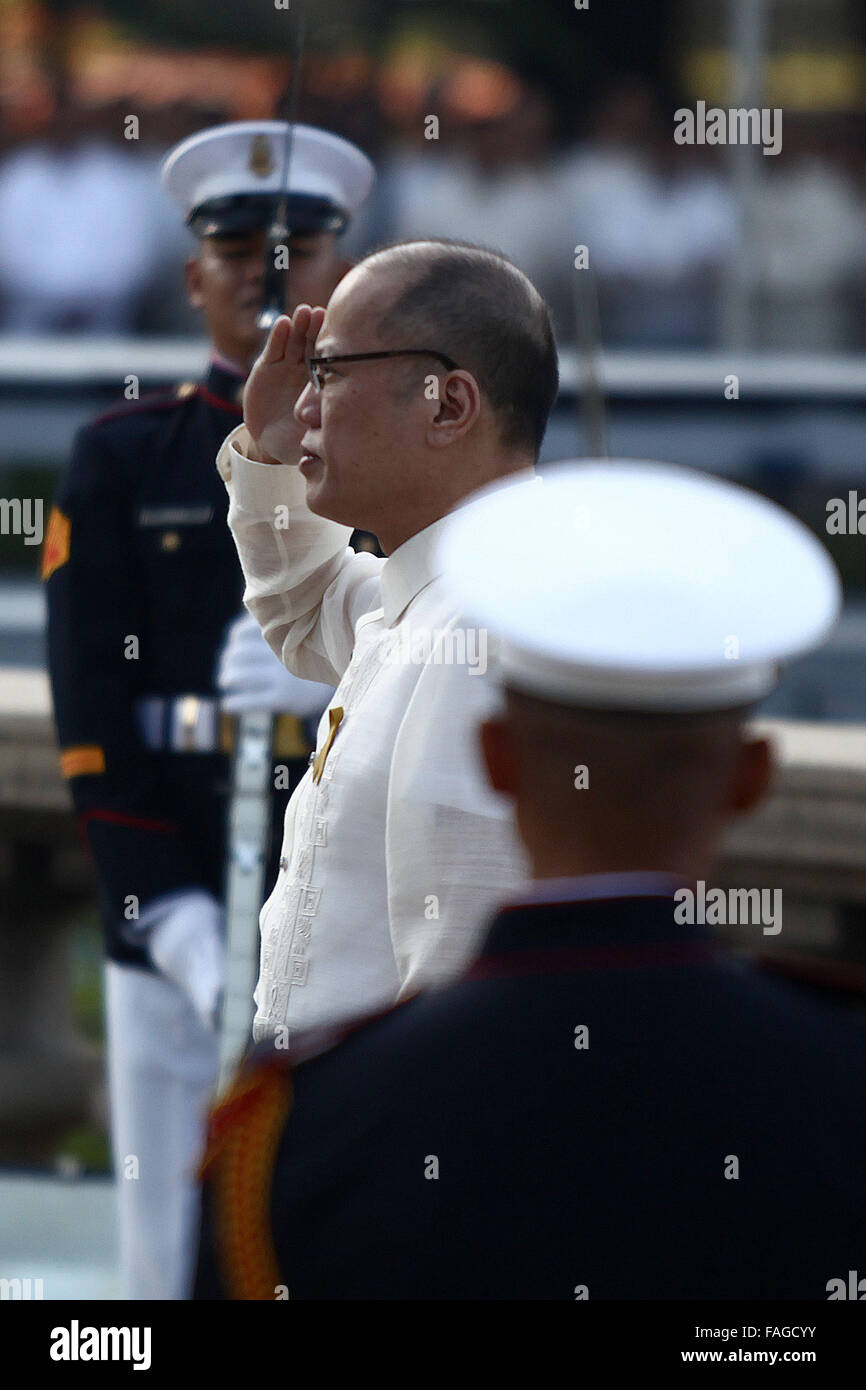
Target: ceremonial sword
[(249, 820)]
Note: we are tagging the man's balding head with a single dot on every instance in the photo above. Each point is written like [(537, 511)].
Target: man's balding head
[(478, 308), (393, 443)]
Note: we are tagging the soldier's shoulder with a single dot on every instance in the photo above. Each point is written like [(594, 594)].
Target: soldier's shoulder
[(288, 1049), (141, 410), (259, 1098), (827, 979)]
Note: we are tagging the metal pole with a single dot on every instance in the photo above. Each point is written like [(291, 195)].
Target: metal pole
[(747, 29), (249, 822), (589, 388), (250, 810)]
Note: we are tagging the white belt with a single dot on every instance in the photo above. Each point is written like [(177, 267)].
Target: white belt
[(180, 723)]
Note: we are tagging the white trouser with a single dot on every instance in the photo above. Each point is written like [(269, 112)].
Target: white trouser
[(162, 1071)]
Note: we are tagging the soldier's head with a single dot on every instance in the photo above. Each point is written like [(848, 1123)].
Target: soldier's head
[(639, 612), (601, 791), (456, 393), (230, 181), (225, 279)]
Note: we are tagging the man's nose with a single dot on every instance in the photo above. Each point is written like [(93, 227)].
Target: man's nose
[(308, 407)]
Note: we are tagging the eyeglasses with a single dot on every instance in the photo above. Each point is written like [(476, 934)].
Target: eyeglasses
[(315, 364)]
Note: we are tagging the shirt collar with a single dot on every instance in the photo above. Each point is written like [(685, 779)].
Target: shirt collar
[(225, 380), (413, 565), (601, 921), (634, 883), (228, 364), (409, 569)]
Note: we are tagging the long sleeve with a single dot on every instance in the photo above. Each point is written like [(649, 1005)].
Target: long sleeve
[(94, 608), (305, 586)]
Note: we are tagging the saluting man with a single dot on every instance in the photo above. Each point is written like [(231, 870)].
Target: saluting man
[(142, 580), (431, 373)]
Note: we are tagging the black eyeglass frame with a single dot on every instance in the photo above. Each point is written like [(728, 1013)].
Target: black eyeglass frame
[(314, 362)]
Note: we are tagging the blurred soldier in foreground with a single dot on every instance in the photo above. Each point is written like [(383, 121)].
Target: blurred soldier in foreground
[(143, 579), (607, 1105)]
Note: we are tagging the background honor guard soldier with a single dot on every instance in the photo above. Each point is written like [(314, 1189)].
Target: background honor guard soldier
[(142, 580), (607, 1105)]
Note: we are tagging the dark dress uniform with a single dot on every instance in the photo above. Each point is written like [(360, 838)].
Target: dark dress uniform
[(606, 1106), (142, 581)]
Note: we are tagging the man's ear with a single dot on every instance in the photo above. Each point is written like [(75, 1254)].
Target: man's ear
[(752, 777), (497, 749), (192, 272), (459, 407)]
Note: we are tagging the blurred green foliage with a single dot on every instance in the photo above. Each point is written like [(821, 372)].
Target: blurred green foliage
[(32, 481), (87, 955), (87, 1145)]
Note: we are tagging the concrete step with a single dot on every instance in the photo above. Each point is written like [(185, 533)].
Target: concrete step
[(61, 1231)]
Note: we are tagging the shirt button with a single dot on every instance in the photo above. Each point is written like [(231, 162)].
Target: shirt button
[(311, 759), (284, 863)]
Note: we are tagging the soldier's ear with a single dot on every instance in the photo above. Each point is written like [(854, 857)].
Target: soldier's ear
[(497, 748), (752, 777), (194, 292)]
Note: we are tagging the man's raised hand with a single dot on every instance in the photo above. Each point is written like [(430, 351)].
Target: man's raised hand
[(277, 379)]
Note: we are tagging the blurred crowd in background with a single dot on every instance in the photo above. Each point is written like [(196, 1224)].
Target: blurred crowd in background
[(89, 242)]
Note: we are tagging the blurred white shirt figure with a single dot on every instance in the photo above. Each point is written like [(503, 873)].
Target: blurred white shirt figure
[(78, 239), (808, 248), (659, 225), (450, 196), (653, 239), (497, 187)]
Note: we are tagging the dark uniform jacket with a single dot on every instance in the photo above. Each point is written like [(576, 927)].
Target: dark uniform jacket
[(703, 1138), (138, 551)]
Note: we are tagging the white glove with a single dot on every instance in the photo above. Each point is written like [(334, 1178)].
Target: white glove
[(187, 945), (250, 677)]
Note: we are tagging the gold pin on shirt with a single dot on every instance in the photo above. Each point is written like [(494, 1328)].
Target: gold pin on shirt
[(334, 718)]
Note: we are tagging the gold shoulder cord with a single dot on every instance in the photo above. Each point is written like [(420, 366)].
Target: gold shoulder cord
[(252, 1119)]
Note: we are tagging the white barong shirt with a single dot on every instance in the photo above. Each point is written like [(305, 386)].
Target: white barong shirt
[(394, 860)]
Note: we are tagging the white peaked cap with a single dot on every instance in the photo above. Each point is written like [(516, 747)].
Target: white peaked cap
[(632, 585), (246, 158)]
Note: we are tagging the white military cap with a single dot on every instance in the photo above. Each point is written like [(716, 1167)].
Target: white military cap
[(631, 585), (229, 178)]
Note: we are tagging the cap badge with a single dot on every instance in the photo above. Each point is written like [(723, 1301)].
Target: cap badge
[(261, 162)]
